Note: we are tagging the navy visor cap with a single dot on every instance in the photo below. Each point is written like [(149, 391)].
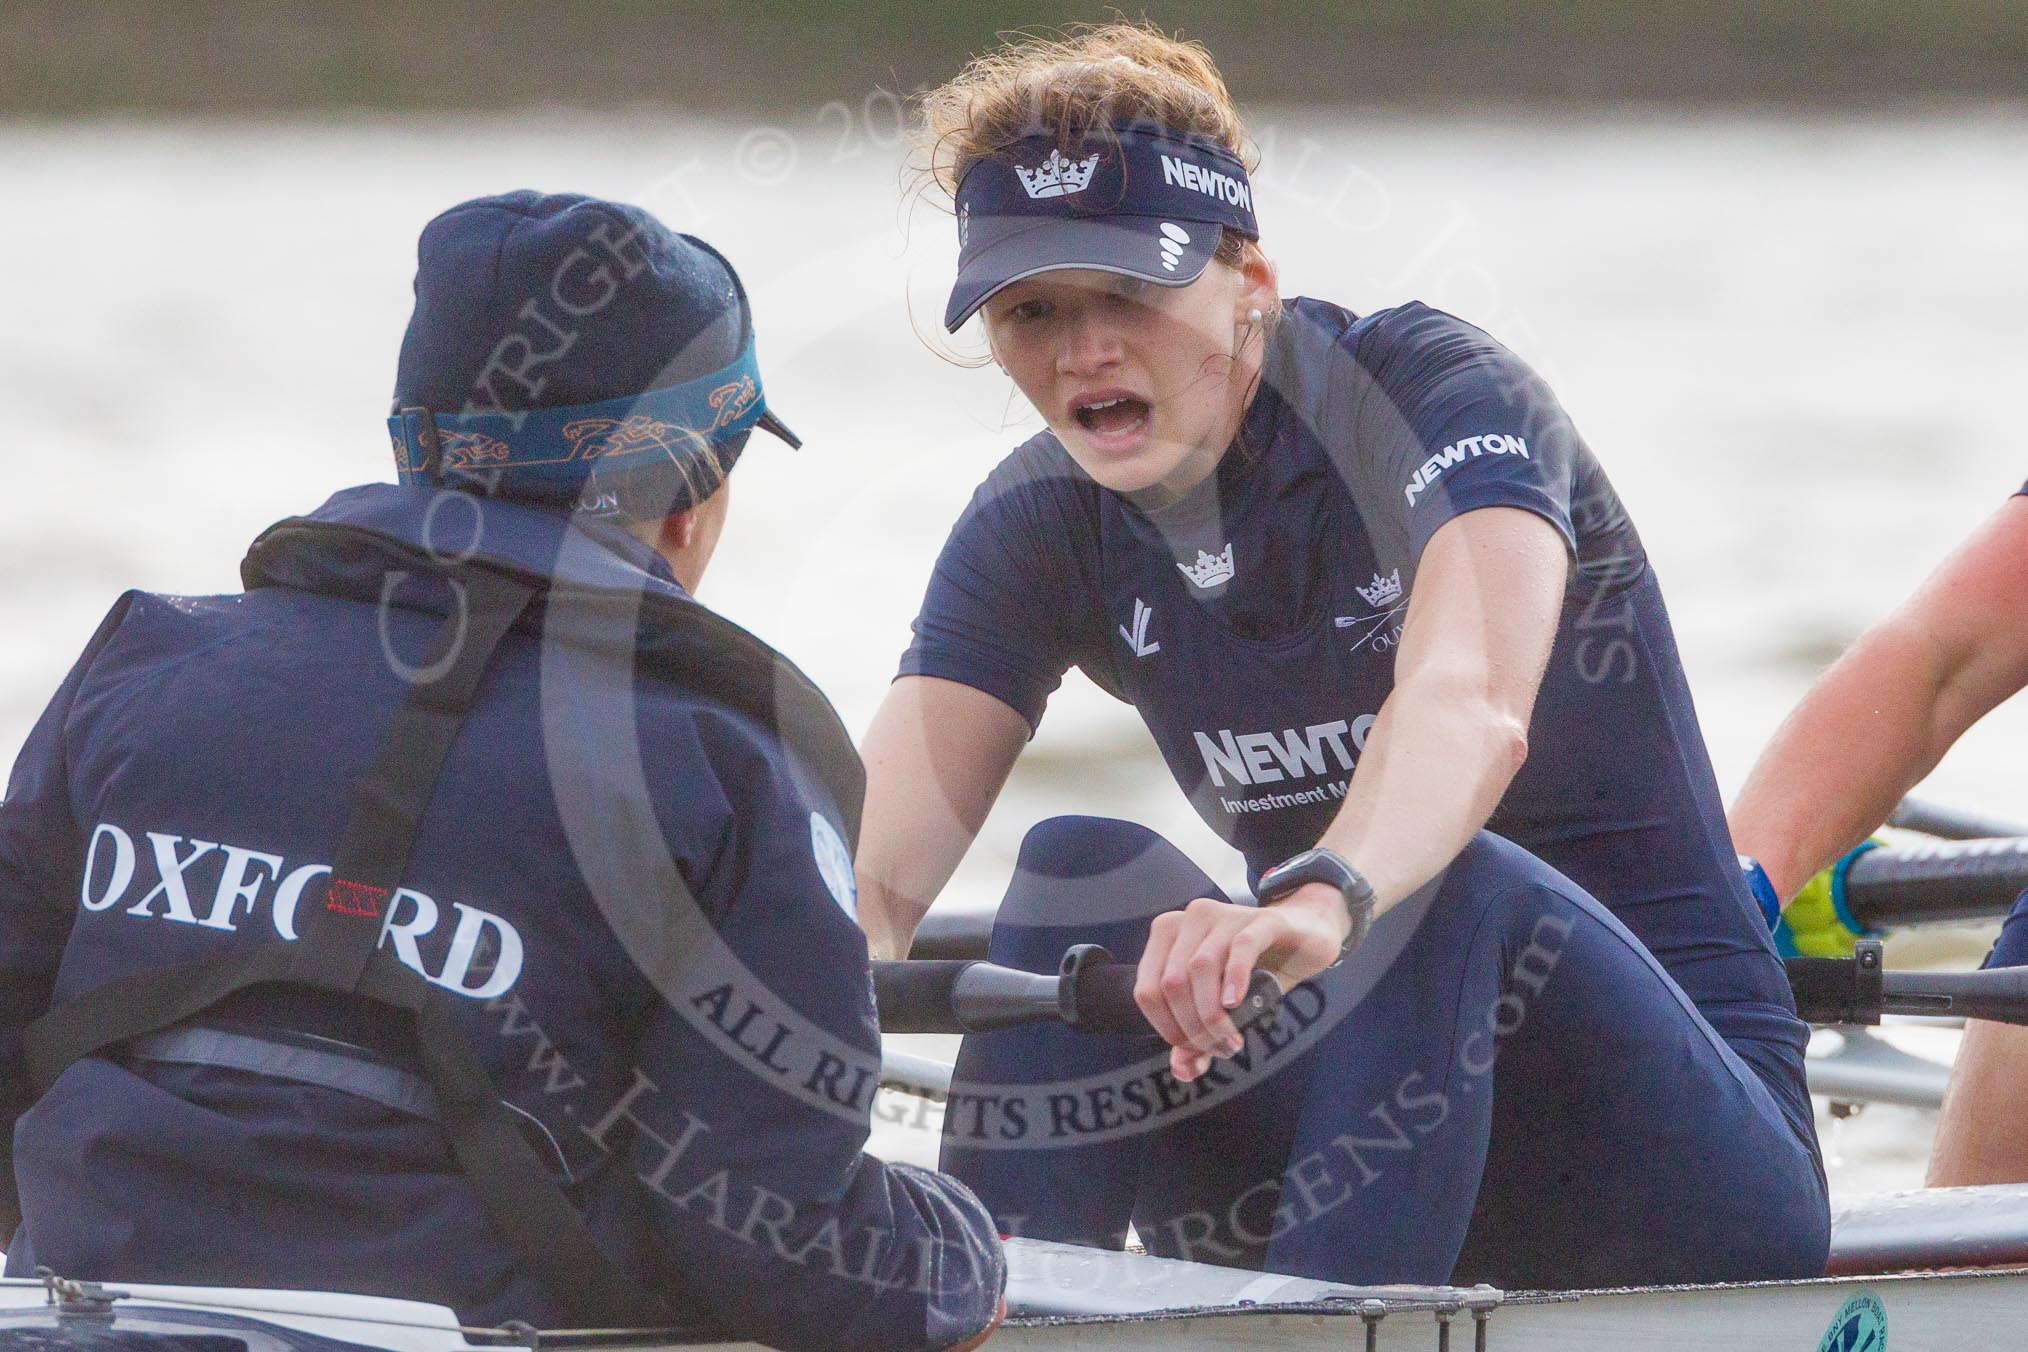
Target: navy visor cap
[(1146, 203)]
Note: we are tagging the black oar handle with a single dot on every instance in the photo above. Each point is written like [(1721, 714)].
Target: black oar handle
[(1090, 993), (1940, 881), (917, 996), (1859, 989)]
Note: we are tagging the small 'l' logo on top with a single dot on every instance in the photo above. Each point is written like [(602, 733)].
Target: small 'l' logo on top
[(1137, 637)]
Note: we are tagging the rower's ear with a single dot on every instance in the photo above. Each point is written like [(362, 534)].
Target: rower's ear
[(1259, 285)]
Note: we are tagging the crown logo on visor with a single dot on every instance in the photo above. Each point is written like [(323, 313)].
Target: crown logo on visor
[(1210, 569), (1057, 177)]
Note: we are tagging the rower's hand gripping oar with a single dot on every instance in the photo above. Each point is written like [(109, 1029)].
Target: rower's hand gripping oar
[(1860, 989), (1882, 887), (1090, 992), (1878, 887)]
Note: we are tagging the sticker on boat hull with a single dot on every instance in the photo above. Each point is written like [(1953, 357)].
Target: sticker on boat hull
[(1859, 1326)]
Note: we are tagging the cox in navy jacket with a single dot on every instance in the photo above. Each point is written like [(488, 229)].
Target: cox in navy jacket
[(638, 898)]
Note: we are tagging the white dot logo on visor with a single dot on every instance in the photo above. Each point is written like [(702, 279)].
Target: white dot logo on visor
[(1174, 238)]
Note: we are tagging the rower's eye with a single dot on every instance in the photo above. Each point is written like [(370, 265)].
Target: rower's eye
[(1028, 310)]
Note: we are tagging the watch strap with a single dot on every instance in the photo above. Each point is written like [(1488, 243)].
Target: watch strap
[(1327, 866)]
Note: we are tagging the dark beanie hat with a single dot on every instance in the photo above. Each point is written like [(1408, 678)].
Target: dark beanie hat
[(527, 302)]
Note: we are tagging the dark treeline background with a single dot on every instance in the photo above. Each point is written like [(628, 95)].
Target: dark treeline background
[(214, 56)]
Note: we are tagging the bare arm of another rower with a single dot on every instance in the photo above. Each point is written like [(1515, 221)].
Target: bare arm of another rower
[(1885, 713), (1447, 741), (936, 756), (1870, 729)]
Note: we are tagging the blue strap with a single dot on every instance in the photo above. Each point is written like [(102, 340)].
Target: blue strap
[(1758, 883), (1763, 891), (560, 446)]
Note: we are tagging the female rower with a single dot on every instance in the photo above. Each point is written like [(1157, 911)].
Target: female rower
[(1297, 539)]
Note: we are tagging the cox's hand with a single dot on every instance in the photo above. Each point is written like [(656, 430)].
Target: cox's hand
[(1199, 960)]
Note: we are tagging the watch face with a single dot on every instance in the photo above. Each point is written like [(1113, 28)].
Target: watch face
[(1311, 866), (1292, 873)]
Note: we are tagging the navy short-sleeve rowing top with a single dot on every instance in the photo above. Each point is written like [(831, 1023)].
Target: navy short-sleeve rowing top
[(1253, 624)]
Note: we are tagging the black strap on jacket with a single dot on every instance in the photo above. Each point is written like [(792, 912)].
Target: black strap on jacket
[(339, 951)]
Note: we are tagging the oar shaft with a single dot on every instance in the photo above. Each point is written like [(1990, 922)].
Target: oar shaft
[(954, 936), (1935, 882), (1950, 823), (2000, 994)]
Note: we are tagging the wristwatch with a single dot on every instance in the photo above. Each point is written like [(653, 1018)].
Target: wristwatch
[(1323, 866)]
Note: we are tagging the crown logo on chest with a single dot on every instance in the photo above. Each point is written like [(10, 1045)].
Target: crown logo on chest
[(1385, 591), (1210, 569)]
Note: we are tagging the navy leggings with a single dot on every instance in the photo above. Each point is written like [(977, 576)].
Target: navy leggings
[(1500, 1085)]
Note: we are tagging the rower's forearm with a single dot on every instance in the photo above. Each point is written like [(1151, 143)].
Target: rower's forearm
[(936, 755), (1864, 735), (1435, 765), (889, 919), (909, 846)]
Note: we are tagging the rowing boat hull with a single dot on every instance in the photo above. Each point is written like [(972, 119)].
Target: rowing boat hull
[(1935, 1313), (1072, 1300), (1960, 1312)]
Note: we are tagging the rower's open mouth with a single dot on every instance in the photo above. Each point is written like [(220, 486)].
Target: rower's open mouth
[(1112, 415)]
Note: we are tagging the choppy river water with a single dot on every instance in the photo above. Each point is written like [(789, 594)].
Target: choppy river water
[(1797, 345)]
